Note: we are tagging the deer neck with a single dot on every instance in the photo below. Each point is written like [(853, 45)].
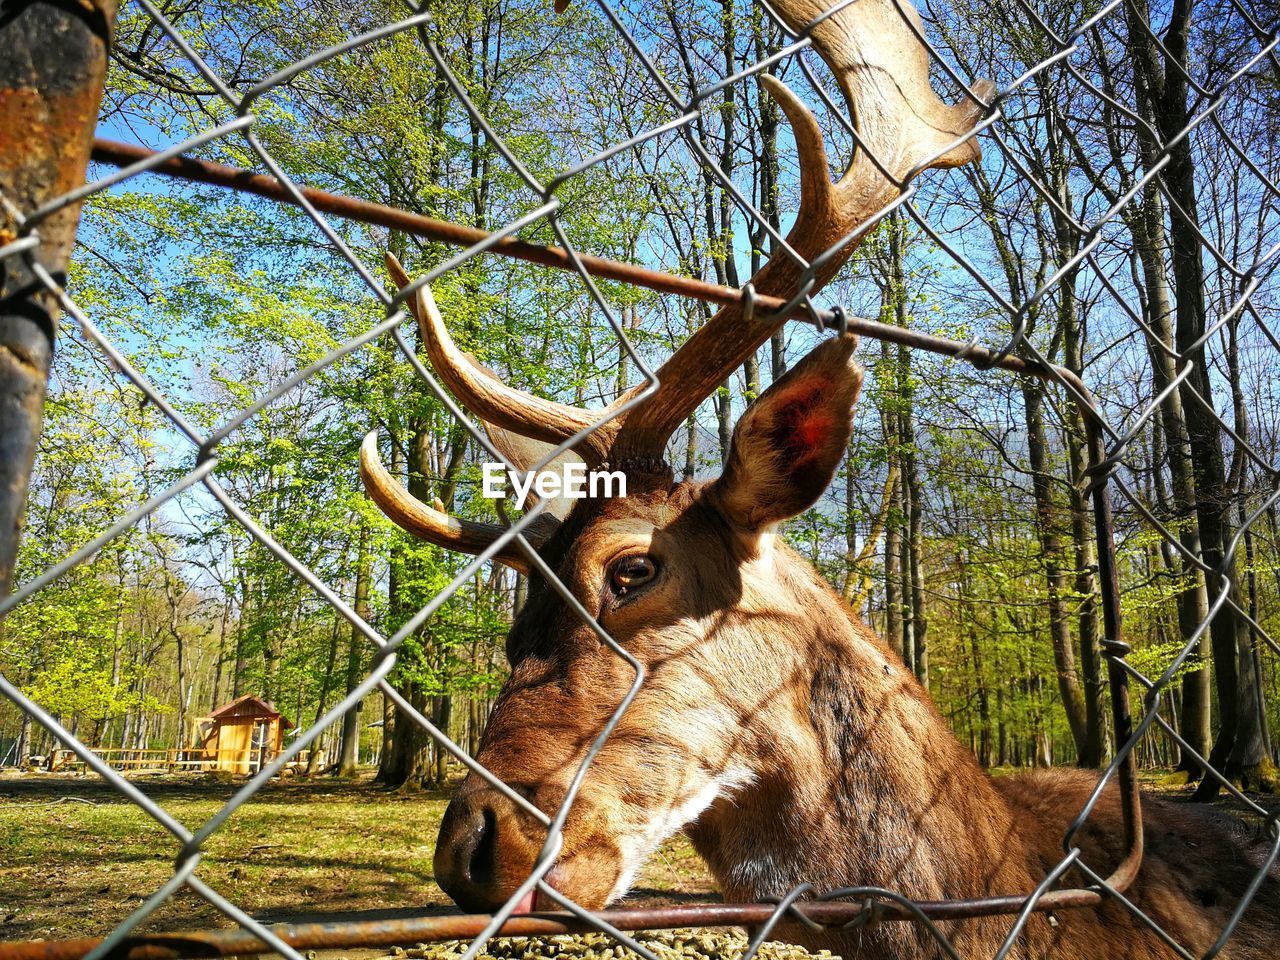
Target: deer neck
[(860, 783)]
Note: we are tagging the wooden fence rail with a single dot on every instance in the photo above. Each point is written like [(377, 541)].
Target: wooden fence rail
[(172, 760)]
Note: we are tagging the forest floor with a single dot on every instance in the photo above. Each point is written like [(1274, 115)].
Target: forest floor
[(76, 857)]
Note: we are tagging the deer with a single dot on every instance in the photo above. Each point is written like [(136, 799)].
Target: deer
[(773, 727)]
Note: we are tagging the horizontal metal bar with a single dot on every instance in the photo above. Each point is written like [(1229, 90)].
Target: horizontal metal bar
[(431, 929), (247, 181), (393, 218)]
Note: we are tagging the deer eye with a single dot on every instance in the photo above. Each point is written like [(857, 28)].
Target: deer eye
[(631, 572)]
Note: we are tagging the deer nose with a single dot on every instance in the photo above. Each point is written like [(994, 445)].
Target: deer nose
[(476, 852)]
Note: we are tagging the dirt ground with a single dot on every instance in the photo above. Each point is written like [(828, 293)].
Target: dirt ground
[(76, 858)]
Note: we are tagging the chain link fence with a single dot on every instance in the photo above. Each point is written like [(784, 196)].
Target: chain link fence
[(1080, 57)]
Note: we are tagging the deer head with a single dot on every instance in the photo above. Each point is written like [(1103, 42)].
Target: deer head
[(689, 577)]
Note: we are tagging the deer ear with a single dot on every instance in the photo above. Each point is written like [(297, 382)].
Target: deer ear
[(788, 444)]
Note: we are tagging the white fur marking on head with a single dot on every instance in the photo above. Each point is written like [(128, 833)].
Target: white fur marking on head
[(638, 847)]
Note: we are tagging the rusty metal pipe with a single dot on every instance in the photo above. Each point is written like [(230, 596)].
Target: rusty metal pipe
[(246, 181), (430, 929)]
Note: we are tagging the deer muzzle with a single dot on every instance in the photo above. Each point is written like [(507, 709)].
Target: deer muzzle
[(488, 847), (485, 850)]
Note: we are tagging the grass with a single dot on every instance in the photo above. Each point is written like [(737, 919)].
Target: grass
[(76, 858)]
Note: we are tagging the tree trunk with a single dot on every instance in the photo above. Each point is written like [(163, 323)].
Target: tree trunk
[(905, 583), (349, 756), (1002, 731), (1073, 704), (895, 634), (765, 38), (892, 570), (1092, 751), (331, 665), (1251, 755), (24, 739), (1164, 94), (395, 609), (1151, 245), (442, 716), (915, 548), (408, 763), (984, 745), (1260, 773), (915, 628)]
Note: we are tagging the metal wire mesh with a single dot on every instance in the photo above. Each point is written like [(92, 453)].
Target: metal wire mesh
[(1073, 50)]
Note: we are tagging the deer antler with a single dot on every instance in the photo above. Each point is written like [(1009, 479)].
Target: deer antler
[(882, 68), (883, 71), (431, 523), (484, 394)]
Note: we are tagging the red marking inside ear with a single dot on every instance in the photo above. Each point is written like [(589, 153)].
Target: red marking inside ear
[(803, 423), (813, 429)]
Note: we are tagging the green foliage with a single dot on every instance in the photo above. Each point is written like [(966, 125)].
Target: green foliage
[(221, 298)]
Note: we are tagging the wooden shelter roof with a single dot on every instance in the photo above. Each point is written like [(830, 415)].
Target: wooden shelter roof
[(250, 706)]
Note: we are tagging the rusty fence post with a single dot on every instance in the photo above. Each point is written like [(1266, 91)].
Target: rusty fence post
[(53, 59)]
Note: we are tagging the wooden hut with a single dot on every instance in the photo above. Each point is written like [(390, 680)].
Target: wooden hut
[(241, 736)]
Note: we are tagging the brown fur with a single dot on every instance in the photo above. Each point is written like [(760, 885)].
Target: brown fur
[(812, 752)]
